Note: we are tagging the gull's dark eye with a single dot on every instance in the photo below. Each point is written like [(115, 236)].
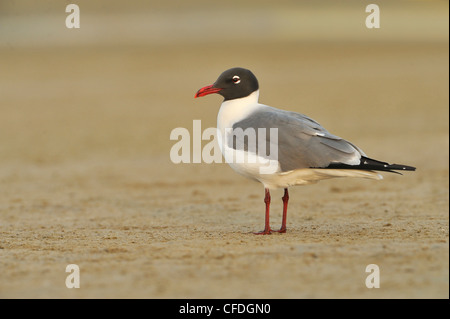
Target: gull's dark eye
[(236, 79)]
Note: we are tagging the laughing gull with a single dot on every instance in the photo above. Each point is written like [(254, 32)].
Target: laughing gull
[(305, 151)]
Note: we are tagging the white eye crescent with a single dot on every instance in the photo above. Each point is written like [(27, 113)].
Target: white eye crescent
[(236, 79)]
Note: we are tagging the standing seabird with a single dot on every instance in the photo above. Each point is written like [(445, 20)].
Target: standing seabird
[(280, 148)]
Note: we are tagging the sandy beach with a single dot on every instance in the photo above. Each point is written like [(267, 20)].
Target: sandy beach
[(86, 177)]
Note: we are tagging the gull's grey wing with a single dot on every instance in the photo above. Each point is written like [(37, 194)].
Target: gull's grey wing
[(302, 142)]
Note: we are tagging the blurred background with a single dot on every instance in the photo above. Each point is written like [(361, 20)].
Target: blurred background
[(86, 114), (126, 78)]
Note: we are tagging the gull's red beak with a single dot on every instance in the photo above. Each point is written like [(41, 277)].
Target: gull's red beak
[(207, 90)]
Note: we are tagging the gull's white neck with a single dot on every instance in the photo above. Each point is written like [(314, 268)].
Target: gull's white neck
[(233, 111)]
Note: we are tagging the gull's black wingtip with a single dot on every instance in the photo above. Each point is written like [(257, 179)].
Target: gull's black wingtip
[(374, 165), (401, 167)]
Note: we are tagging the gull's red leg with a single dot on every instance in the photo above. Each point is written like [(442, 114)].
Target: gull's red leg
[(267, 229), (285, 199)]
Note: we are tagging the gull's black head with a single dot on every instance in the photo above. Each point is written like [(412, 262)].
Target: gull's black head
[(232, 84)]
